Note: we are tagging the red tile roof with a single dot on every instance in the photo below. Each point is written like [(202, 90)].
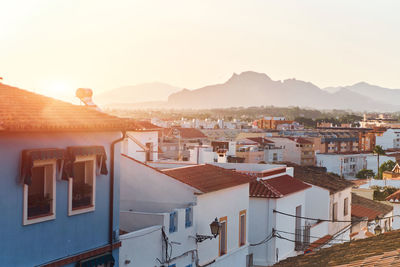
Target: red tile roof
[(381, 250), (185, 133), (263, 190), (277, 187), (146, 125), (260, 140), (300, 140), (208, 178), (319, 177), (21, 110), (320, 242), (395, 197), (362, 207)]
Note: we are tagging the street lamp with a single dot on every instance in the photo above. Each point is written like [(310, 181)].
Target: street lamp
[(215, 227)]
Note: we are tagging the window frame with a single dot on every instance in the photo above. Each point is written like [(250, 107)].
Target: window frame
[(345, 206), (220, 252), (174, 216), (52, 215), (76, 211), (188, 217), (242, 213), (335, 211)]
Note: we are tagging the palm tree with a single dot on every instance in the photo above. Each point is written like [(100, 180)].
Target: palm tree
[(378, 150)]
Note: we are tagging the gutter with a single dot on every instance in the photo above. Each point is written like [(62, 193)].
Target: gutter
[(112, 170)]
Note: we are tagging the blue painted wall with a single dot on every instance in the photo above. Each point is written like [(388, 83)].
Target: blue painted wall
[(44, 242)]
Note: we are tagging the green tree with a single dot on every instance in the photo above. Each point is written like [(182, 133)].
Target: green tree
[(387, 166), (378, 150), (365, 174)]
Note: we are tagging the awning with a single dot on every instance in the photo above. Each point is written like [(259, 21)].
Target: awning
[(74, 151), (97, 261), (29, 156)]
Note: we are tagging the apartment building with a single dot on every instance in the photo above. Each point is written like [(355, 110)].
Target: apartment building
[(297, 150)]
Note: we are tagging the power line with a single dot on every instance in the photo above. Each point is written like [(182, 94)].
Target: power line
[(268, 238), (326, 220), (279, 231)]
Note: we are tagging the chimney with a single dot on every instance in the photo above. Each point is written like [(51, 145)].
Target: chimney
[(85, 95)]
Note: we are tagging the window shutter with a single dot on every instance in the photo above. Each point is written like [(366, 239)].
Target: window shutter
[(171, 222)]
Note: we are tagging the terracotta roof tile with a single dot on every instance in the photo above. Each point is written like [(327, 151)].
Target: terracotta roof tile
[(21, 110), (263, 190), (208, 178), (277, 187), (319, 177), (381, 250), (186, 133), (362, 207)]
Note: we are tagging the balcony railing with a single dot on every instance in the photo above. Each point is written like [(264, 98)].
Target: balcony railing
[(302, 238)]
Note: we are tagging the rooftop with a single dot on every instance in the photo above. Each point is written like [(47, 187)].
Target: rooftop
[(208, 178), (276, 187), (185, 133), (22, 110), (319, 177), (362, 207), (383, 249), (395, 197)]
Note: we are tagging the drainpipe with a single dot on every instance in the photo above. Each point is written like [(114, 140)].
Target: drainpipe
[(111, 210)]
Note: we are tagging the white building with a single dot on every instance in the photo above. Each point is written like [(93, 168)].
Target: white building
[(389, 139), (141, 145), (157, 198), (338, 211), (345, 165), (273, 236)]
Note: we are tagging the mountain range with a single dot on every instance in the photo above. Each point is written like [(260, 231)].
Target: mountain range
[(258, 89)]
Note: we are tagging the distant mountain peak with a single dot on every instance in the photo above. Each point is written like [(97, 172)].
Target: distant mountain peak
[(248, 76)]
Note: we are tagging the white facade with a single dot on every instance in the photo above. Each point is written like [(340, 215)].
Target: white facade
[(219, 204), (150, 196), (389, 139), (142, 245), (346, 165), (142, 145), (273, 155), (202, 154), (291, 152), (263, 220), (337, 202)]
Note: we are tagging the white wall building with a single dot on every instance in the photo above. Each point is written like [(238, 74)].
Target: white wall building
[(212, 192), (346, 165), (141, 145), (275, 236), (389, 139)]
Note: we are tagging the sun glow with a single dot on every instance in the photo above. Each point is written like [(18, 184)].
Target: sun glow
[(59, 89)]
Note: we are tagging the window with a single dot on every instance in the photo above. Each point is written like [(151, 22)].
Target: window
[(39, 196), (346, 206), (149, 151), (242, 228), (173, 222), (189, 217), (297, 230), (82, 187), (334, 211), (223, 236)]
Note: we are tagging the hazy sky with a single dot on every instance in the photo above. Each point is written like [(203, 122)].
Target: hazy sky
[(54, 47)]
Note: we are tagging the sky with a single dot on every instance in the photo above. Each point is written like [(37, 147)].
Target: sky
[(54, 47)]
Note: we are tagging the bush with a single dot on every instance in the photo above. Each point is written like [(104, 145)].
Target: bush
[(365, 173)]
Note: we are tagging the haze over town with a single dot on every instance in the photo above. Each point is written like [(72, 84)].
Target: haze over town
[(185, 133)]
